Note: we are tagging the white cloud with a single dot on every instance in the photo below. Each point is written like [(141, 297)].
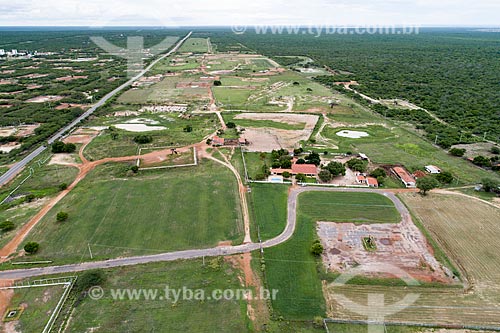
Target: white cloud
[(228, 12)]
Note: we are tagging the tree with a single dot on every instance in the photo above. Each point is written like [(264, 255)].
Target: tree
[(7, 226), (425, 184), (298, 151), (58, 147), (62, 216), (217, 83), (286, 174), (495, 150), (445, 177), (69, 148), (336, 169), (188, 129), (482, 161), (63, 186), (143, 139), (490, 185), (325, 176), (31, 247), (134, 168), (61, 147), (301, 178), (231, 125), (357, 165), (379, 172), (301, 161), (457, 152), (314, 158), (316, 248)]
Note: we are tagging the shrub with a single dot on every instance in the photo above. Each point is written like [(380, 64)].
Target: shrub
[(143, 139), (217, 83), (63, 186), (317, 249), (301, 178), (89, 279), (62, 216), (231, 125), (7, 226), (31, 247), (457, 152), (445, 177)]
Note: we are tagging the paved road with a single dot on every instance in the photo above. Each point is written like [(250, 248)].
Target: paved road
[(16, 168), (199, 253)]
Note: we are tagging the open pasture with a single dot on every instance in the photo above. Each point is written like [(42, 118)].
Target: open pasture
[(154, 212)]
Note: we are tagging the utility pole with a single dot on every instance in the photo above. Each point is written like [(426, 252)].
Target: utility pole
[(485, 133), (91, 256), (436, 141)]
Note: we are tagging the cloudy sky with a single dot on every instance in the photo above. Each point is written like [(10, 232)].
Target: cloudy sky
[(249, 12)]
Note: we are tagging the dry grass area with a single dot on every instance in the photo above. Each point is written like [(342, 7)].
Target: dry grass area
[(434, 306), (467, 230)]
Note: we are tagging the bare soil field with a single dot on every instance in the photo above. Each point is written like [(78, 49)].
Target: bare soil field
[(20, 131), (401, 245), (267, 139), (62, 159)]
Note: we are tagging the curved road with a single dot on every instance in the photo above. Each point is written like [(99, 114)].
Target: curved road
[(192, 254), (16, 168)]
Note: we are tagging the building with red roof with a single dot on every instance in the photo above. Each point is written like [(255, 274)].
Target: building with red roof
[(404, 176), (310, 170)]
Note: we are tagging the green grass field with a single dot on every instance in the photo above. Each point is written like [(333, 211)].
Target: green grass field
[(291, 268), (349, 207), (194, 45), (156, 211), (44, 184), (109, 315), (39, 303), (230, 117), (166, 91), (268, 206)]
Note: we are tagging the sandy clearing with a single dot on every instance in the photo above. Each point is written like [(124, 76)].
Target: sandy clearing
[(79, 138), (268, 139), (139, 127), (7, 148), (352, 134), (44, 99), (62, 159)]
